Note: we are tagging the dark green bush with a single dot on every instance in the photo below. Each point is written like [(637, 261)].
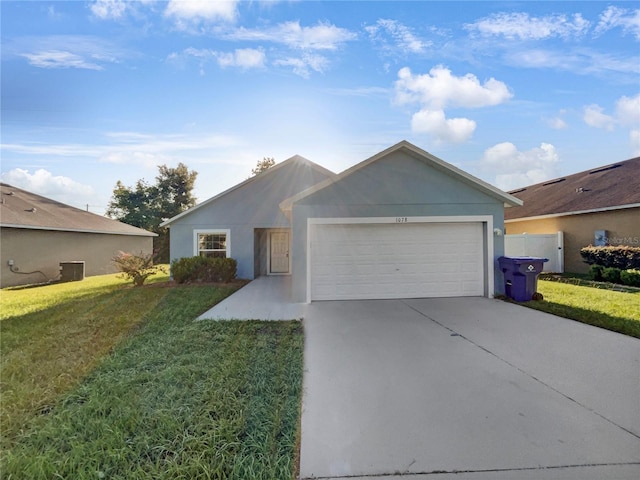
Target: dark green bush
[(204, 269), (611, 274), (622, 257), (595, 272), (630, 277)]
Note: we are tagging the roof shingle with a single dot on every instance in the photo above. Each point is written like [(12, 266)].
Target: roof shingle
[(22, 209), (609, 186)]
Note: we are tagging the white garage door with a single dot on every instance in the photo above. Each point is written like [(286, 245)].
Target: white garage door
[(408, 260)]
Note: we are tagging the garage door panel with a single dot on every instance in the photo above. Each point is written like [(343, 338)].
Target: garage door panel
[(396, 261)]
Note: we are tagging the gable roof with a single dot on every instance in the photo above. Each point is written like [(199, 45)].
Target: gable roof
[(270, 171), (609, 187), (420, 154), (22, 209)]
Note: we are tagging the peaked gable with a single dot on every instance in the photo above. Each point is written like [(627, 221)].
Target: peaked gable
[(295, 165), (612, 186), (426, 158)]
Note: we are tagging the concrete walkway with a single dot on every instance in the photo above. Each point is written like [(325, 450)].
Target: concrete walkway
[(466, 389), (265, 298)]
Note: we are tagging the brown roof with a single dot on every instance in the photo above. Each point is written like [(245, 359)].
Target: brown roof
[(601, 188), (22, 209)]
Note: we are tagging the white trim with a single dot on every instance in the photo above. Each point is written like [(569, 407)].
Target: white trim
[(212, 231), (508, 199), (485, 219), (577, 212), (268, 171), (269, 232), (144, 233)]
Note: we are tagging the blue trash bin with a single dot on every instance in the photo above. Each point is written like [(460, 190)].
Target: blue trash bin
[(521, 276)]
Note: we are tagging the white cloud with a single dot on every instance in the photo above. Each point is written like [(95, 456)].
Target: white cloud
[(188, 12), (66, 51), (402, 36), (131, 148), (581, 61), (439, 89), (594, 117), (59, 59), (450, 130), (615, 17), (305, 64), (323, 36), (634, 140), (628, 114), (109, 9), (242, 57), (513, 168), (522, 26), (557, 123), (43, 182), (628, 110)]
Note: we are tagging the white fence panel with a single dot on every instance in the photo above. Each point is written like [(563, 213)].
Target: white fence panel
[(546, 245)]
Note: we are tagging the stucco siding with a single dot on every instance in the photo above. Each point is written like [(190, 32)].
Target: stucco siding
[(395, 186), (43, 250), (252, 206), (623, 227), (398, 179)]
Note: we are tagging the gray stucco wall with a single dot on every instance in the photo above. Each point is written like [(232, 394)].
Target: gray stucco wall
[(396, 186), (44, 250), (251, 206)]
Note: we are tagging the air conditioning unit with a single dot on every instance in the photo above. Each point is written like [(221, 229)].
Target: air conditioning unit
[(71, 271)]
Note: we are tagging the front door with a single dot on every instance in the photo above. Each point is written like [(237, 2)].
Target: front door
[(278, 252)]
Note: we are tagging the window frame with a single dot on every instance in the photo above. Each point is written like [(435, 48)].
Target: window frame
[(209, 231)]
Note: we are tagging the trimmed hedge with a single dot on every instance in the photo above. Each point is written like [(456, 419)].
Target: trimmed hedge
[(595, 272), (611, 274), (204, 269), (630, 277), (622, 257)]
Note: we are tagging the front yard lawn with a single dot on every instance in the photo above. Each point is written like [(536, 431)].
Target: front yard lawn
[(167, 398), (617, 311)]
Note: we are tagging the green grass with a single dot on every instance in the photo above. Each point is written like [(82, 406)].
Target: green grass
[(52, 336), (617, 311), (174, 398)]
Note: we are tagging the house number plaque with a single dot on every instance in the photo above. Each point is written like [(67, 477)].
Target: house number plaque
[(401, 219)]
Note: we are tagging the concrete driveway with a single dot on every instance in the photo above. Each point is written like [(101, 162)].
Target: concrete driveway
[(470, 389)]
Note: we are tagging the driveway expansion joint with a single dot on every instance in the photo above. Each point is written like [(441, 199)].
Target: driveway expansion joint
[(573, 400)]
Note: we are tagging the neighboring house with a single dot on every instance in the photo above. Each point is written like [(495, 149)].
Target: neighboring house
[(37, 234), (401, 224), (600, 206)]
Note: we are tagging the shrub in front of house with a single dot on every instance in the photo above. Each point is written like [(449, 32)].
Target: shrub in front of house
[(622, 257), (204, 269), (630, 277), (136, 267), (611, 274), (595, 272)]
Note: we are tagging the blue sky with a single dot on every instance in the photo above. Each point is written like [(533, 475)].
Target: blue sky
[(512, 92)]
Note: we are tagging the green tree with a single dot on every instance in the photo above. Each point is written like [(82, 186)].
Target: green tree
[(262, 165), (147, 206), (175, 187)]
